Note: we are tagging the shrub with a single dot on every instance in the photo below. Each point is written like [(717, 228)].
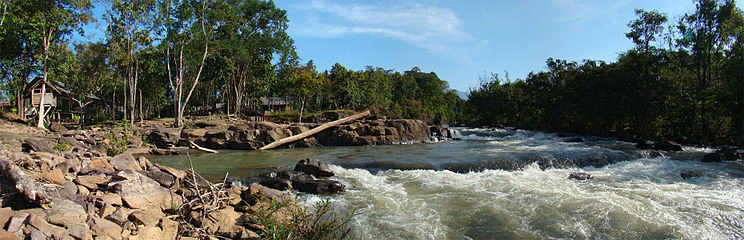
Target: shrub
[(286, 220), (117, 144), (63, 146)]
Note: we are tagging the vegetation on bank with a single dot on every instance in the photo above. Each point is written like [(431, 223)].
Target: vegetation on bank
[(684, 81)]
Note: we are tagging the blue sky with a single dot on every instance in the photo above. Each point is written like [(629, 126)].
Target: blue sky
[(461, 40)]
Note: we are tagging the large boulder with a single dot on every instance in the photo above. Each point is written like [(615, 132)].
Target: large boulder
[(307, 183), (140, 192), (125, 161), (58, 128), (165, 137), (666, 145), (37, 145), (98, 166), (723, 154), (314, 167)]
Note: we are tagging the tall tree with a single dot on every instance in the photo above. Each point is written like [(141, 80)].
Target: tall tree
[(51, 22), (130, 22), (186, 31)]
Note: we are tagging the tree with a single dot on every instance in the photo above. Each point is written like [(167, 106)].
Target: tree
[(51, 22), (306, 81), (128, 33), (644, 29), (186, 29)]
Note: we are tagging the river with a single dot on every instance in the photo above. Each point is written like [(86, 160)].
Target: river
[(513, 184)]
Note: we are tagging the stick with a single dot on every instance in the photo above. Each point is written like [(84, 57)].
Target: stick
[(318, 129), (202, 148)]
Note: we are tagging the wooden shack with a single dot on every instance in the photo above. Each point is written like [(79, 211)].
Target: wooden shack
[(58, 100), (275, 104)]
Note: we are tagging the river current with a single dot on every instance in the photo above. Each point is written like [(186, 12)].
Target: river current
[(513, 184)]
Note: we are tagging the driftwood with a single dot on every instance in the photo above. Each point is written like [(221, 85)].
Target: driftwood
[(26, 185), (200, 148), (313, 131)]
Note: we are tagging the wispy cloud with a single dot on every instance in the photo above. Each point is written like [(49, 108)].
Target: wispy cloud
[(586, 10), (427, 27)]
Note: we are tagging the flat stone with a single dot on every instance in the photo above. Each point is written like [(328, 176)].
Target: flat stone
[(90, 182), (175, 172), (165, 179), (98, 166), (5, 215), (144, 163), (314, 167), (119, 216), (68, 189), (55, 176), (139, 191), (48, 229), (106, 209), (16, 222), (148, 233), (112, 199), (80, 231), (143, 218), (170, 228), (124, 161), (65, 212), (103, 227), (7, 235), (37, 145)]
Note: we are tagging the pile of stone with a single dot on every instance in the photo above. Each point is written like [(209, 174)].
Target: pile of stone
[(50, 194), (252, 136), (309, 175)]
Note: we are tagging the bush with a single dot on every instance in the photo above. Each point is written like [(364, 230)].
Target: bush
[(286, 220), (63, 146), (117, 144), (100, 117)]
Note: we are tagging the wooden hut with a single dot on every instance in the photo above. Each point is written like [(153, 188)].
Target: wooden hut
[(58, 100)]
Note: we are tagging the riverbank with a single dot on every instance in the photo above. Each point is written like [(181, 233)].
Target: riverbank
[(98, 184)]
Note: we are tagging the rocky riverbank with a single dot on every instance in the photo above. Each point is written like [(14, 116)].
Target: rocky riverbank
[(66, 195)]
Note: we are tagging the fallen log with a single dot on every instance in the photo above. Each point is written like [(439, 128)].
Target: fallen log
[(313, 131), (26, 185), (200, 148)]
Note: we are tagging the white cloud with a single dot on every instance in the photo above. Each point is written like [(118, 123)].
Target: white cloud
[(427, 27)]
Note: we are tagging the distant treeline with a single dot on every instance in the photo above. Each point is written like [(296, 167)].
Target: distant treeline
[(684, 81)]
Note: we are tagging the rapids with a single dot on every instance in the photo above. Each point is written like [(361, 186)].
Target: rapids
[(512, 184)]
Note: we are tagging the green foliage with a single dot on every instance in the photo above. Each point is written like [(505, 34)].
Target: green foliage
[(100, 116), (117, 144), (63, 146), (692, 93), (285, 220)]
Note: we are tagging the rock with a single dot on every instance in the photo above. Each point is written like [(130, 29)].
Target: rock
[(37, 145), (265, 125), (79, 231), (54, 176), (306, 183), (654, 154), (194, 133), (643, 144), (5, 215), (665, 145), (276, 183), (723, 154), (139, 191), (7, 235), (124, 161), (148, 233), (143, 218), (687, 174), (66, 212), (579, 176), (58, 128), (119, 216), (98, 166), (113, 199), (165, 137), (73, 142), (165, 179), (144, 163), (170, 228), (104, 228), (175, 172), (224, 222), (106, 209), (574, 139), (15, 224), (314, 167), (90, 182), (68, 190), (48, 229), (258, 191)]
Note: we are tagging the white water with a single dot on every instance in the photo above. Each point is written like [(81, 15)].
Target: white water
[(638, 199)]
